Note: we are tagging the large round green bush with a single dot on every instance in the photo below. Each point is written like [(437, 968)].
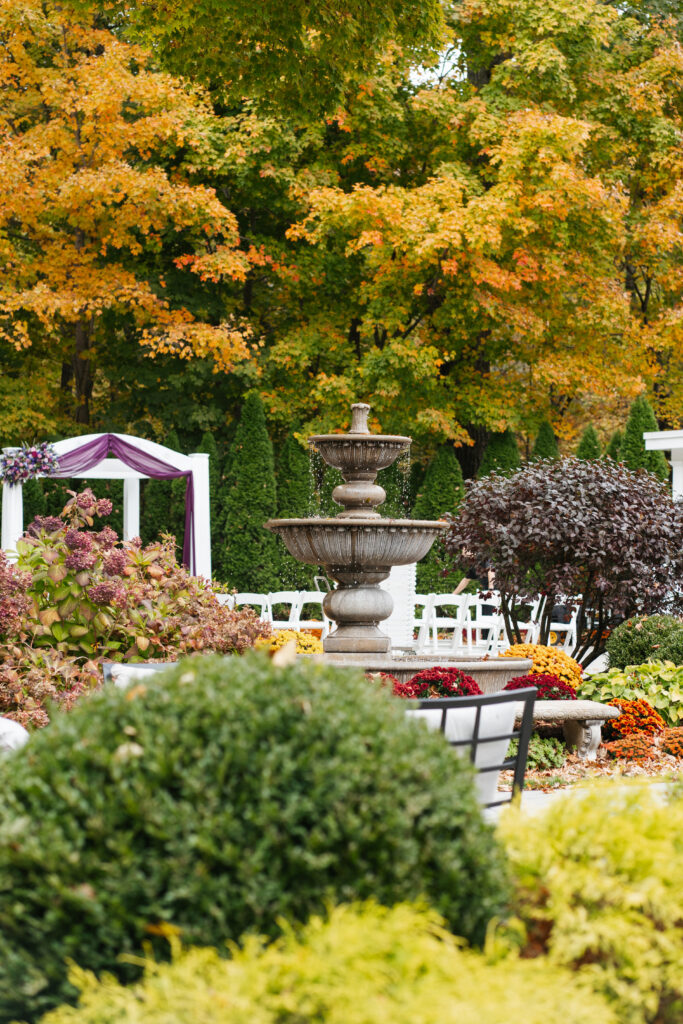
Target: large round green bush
[(640, 639), (216, 799)]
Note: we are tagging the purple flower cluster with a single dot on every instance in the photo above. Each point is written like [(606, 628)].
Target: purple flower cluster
[(80, 560), (107, 593), (115, 563), (48, 523), (104, 507), (77, 540), (107, 537), (22, 464), (86, 501)]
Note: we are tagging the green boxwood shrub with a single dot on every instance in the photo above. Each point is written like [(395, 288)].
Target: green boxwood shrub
[(660, 683), (365, 965), (600, 890), (217, 799), (640, 638)]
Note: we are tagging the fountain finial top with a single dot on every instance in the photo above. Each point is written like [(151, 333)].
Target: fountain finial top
[(359, 418)]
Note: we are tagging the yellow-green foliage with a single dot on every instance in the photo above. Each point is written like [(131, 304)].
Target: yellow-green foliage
[(365, 965), (600, 888)]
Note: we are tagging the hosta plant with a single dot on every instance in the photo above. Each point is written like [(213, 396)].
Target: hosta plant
[(550, 687), (637, 716), (544, 752), (660, 683), (438, 682)]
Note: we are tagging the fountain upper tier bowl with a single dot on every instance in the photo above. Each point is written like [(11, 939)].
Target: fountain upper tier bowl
[(357, 549), (359, 454)]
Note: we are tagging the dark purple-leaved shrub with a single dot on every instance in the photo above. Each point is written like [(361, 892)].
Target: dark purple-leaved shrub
[(568, 527)]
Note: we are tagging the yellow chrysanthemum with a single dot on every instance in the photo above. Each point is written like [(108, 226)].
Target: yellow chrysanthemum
[(548, 661), (306, 643)]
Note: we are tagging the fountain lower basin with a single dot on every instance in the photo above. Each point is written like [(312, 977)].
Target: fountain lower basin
[(358, 553)]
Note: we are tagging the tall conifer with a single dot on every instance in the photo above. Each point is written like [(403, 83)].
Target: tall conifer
[(613, 450), (641, 418), (251, 553), (501, 454), (545, 445), (589, 445), (442, 491), (294, 486)]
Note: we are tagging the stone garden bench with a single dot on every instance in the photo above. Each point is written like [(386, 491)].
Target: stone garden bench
[(581, 722)]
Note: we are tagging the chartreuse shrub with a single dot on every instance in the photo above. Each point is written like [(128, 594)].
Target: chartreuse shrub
[(660, 683), (364, 965), (600, 890), (217, 799), (644, 637)]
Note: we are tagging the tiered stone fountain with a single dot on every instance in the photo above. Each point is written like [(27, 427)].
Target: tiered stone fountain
[(357, 548)]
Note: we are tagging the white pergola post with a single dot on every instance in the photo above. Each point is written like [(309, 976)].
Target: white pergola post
[(202, 514), (12, 518), (131, 508), (669, 441)]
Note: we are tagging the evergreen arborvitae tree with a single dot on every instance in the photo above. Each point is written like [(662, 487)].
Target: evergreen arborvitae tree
[(209, 447), (545, 445), (294, 485), (641, 418), (613, 449), (589, 445), (251, 553), (501, 455), (35, 502), (442, 491)]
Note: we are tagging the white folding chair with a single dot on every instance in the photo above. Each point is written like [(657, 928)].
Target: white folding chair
[(289, 598), (439, 623), (306, 599), (483, 629), (226, 599), (421, 622), (259, 602)]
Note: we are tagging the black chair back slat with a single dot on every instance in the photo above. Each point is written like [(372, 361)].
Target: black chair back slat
[(517, 763)]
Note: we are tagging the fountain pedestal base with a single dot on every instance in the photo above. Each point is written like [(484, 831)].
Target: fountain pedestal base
[(357, 610)]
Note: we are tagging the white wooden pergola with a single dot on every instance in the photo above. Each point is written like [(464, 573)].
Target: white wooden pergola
[(669, 441), (111, 468)]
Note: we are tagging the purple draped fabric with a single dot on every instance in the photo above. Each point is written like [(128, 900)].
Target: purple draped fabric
[(80, 460)]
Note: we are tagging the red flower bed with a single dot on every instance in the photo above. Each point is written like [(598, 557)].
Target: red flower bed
[(549, 687), (637, 716), (438, 682)]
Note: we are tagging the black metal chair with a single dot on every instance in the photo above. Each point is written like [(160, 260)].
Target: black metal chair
[(517, 763)]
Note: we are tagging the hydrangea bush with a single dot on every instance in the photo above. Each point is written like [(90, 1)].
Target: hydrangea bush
[(79, 596)]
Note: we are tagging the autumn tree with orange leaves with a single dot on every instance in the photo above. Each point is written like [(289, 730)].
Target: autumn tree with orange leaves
[(91, 191)]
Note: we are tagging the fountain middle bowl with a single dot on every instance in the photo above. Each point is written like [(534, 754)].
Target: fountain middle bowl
[(367, 546)]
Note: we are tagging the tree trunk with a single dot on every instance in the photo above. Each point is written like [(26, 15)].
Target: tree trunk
[(82, 371)]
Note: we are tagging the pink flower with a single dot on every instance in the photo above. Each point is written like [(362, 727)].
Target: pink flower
[(115, 563), (102, 593), (80, 560), (107, 537), (86, 501), (104, 507), (77, 540)]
